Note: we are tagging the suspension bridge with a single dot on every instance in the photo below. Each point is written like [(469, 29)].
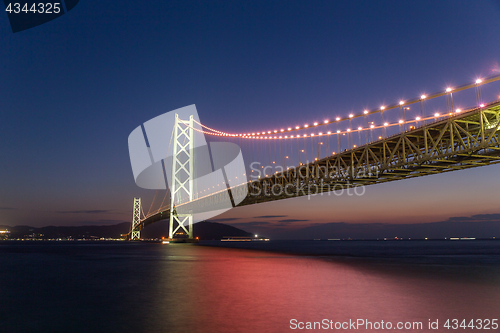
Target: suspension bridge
[(426, 135)]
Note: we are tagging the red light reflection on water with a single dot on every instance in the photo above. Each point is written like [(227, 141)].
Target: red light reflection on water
[(231, 290)]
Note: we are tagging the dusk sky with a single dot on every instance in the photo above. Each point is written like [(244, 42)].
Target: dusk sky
[(74, 88)]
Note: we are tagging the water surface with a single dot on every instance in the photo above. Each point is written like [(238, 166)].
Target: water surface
[(138, 287)]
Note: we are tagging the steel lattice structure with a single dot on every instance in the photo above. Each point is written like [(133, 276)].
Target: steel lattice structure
[(136, 220), (182, 175)]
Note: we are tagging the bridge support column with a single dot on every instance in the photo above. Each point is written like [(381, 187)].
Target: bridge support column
[(182, 176), (136, 220)]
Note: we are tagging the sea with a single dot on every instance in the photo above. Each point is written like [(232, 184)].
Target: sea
[(274, 286)]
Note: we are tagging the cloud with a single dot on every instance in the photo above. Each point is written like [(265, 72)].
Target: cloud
[(224, 220), (102, 222), (250, 224), (269, 216), (489, 217), (292, 220), (477, 217), (89, 211), (113, 221)]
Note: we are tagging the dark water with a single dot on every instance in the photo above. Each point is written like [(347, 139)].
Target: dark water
[(138, 287)]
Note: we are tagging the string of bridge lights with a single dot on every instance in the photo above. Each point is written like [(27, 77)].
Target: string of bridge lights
[(337, 132), (284, 133)]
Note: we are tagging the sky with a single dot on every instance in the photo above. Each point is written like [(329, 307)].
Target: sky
[(74, 88)]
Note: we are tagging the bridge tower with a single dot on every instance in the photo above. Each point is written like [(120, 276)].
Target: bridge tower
[(136, 220), (182, 175)]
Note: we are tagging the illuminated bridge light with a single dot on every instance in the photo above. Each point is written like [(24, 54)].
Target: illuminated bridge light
[(401, 121), (306, 126), (282, 130), (401, 102), (448, 89), (360, 128), (418, 118), (478, 81), (337, 119), (348, 130), (326, 121), (385, 124), (297, 127), (315, 124), (457, 110), (338, 131), (436, 114), (351, 115), (382, 107), (365, 112), (372, 126), (423, 97), (481, 105)]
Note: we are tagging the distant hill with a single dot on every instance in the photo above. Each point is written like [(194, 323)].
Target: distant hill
[(445, 229), (216, 231), (91, 231), (203, 230)]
